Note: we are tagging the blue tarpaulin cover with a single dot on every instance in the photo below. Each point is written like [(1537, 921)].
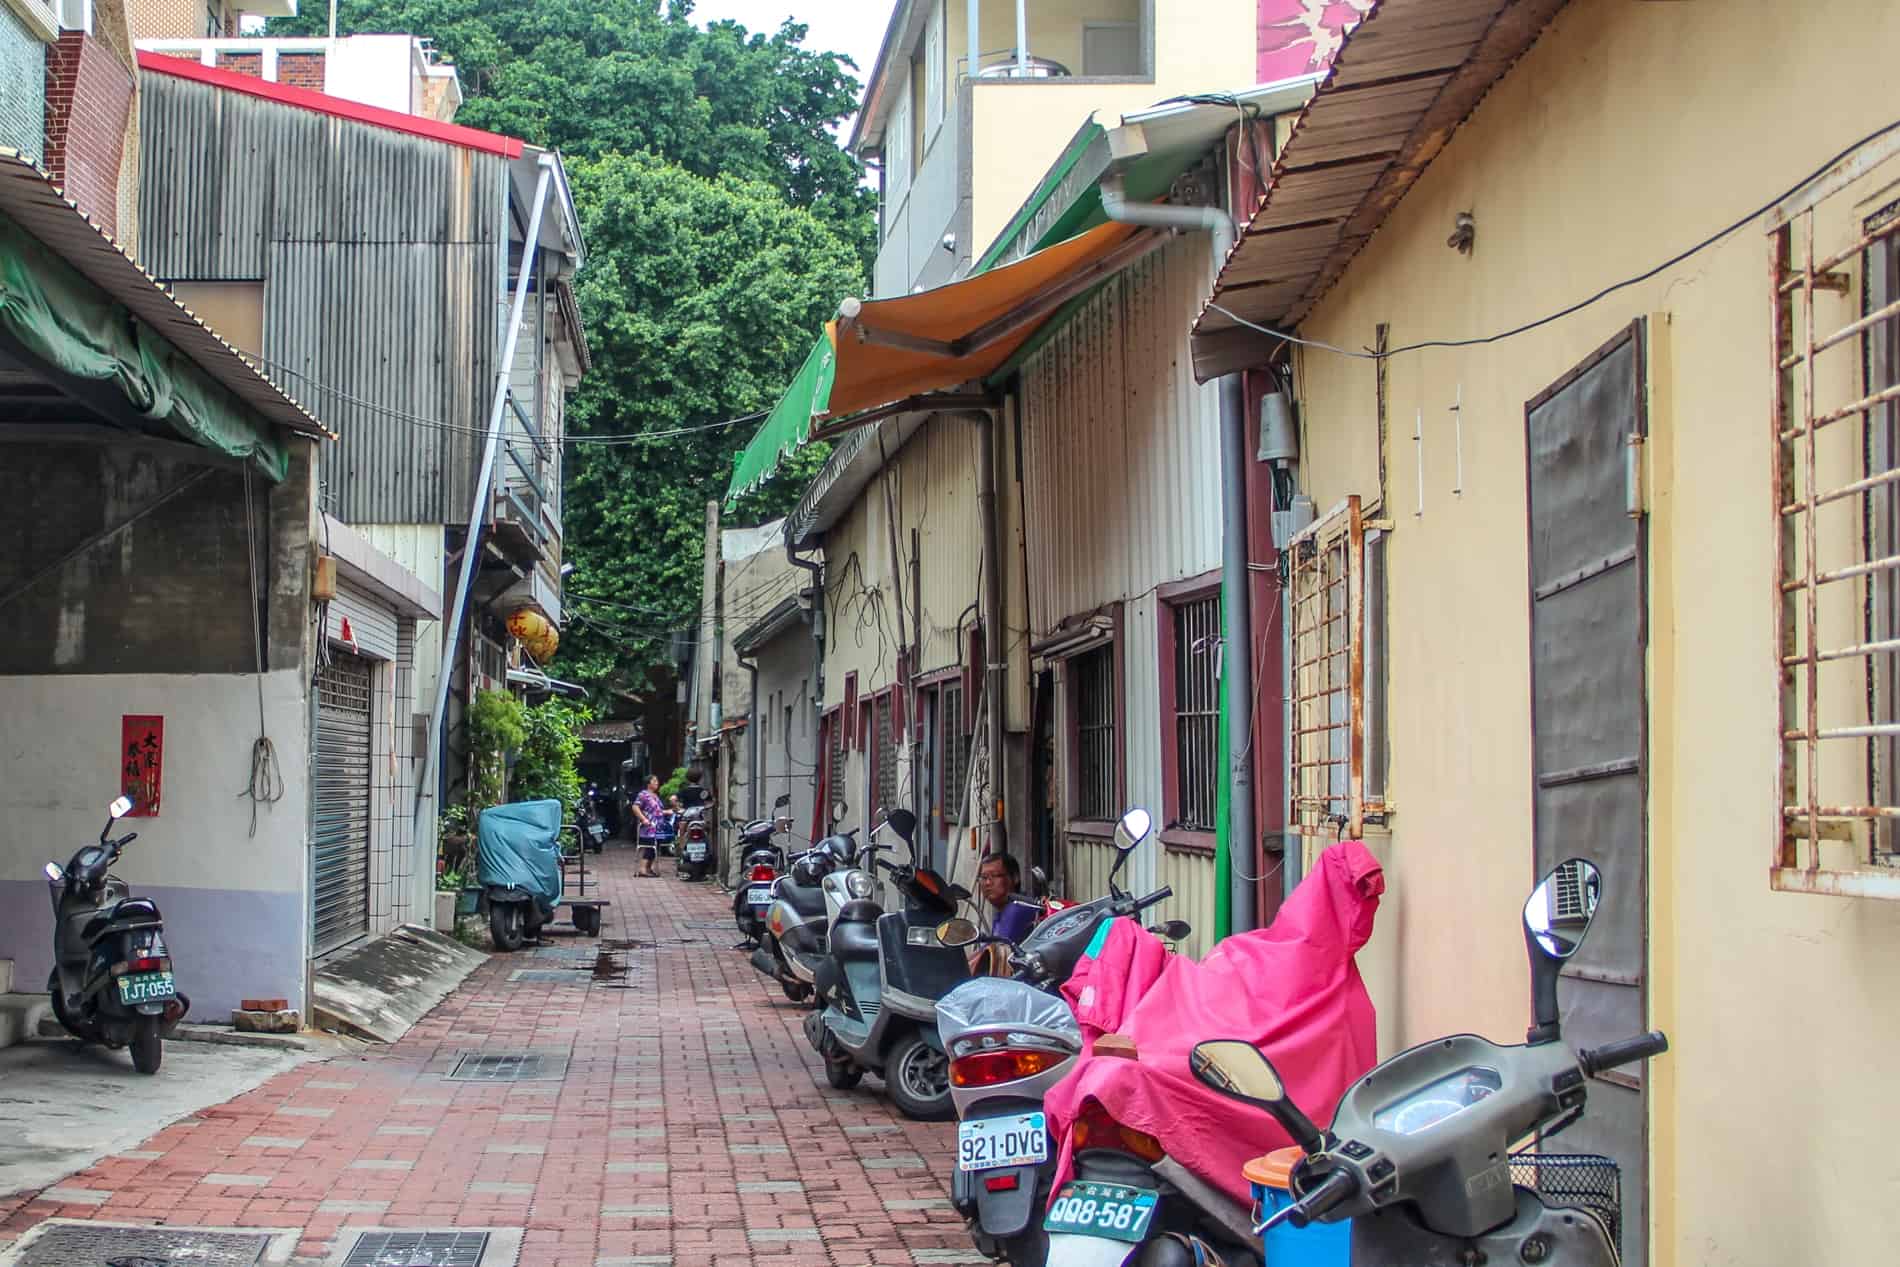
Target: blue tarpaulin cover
[(520, 849)]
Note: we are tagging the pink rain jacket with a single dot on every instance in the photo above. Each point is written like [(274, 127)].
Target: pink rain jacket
[(1292, 990)]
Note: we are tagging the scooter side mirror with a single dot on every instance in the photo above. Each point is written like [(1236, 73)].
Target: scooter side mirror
[(838, 810), (1176, 930), (1557, 917), (54, 872), (1129, 833), (956, 933), (903, 822), (784, 799), (1240, 1071)]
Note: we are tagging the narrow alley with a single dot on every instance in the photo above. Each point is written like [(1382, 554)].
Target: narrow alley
[(670, 1114)]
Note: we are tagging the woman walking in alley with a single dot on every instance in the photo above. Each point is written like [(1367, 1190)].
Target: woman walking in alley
[(647, 809)]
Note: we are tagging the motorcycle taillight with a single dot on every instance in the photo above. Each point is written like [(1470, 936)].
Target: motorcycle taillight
[(1096, 1127), (762, 873), (988, 1067)]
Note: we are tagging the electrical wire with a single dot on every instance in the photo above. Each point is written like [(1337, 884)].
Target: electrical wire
[(1728, 230), (266, 784)]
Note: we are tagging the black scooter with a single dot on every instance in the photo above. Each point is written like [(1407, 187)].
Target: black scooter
[(112, 978), (763, 861)]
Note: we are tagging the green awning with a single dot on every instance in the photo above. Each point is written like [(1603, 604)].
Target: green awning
[(790, 422), (76, 328)]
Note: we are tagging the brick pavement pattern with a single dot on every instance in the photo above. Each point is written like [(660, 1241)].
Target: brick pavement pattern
[(692, 1128)]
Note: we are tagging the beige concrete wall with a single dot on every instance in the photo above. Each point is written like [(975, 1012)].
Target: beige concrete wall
[(1628, 133), (1020, 127)]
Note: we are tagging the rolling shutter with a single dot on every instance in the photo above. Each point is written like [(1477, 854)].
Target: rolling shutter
[(339, 888)]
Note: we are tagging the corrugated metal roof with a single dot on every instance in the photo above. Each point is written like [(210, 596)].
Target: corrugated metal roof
[(29, 197), (1402, 83)]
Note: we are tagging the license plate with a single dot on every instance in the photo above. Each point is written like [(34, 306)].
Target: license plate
[(988, 1143), (1110, 1210), (759, 895), (696, 852), (146, 987)]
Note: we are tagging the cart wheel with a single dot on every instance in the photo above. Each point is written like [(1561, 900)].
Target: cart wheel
[(587, 920)]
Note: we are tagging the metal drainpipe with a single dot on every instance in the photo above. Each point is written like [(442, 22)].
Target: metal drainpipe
[(1237, 634), (817, 571), (752, 737), (996, 633), (484, 479)]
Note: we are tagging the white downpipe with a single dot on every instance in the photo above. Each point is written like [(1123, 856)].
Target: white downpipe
[(471, 544), (973, 32), (1022, 38)]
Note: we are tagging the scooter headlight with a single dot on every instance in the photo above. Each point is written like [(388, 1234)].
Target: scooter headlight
[(858, 886)]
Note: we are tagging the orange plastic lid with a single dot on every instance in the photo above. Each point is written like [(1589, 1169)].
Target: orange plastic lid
[(1275, 1170)]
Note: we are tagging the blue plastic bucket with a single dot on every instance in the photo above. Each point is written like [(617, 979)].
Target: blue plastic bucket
[(1283, 1245)]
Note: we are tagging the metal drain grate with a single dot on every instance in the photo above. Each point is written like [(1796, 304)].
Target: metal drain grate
[(71, 1245), (418, 1249), (509, 1066), (555, 976)]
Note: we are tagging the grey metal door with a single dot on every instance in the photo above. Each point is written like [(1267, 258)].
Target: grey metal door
[(339, 837), (1589, 632)]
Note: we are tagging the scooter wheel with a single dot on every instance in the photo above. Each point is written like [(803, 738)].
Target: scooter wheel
[(147, 1047), (70, 1023), (917, 1076), (504, 925), (842, 1074), (798, 992)]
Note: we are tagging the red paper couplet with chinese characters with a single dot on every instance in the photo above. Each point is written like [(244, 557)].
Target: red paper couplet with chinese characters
[(142, 762)]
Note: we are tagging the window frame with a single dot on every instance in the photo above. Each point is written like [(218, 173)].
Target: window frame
[(1821, 846), (1173, 598), (1331, 553), (1113, 641)]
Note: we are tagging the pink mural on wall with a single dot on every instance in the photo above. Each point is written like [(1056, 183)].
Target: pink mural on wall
[(1301, 37)]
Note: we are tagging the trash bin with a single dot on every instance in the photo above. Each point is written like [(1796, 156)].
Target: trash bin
[(1316, 1245)]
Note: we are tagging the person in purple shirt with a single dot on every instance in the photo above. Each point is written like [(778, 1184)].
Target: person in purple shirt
[(1010, 916)]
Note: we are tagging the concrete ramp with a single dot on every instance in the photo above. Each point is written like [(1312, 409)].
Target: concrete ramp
[(378, 990)]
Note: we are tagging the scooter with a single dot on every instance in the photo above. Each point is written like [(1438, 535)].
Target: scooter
[(1010, 1040), (796, 940), (762, 859), (695, 850), (881, 984), (112, 978), (1419, 1156), (592, 822)]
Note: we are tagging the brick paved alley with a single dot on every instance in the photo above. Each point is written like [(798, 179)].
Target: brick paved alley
[(692, 1127)]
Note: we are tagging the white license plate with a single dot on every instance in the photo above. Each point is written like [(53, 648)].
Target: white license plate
[(146, 987), (759, 895), (696, 852), (988, 1143)]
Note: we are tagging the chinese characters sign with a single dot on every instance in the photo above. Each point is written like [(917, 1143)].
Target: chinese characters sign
[(141, 762), (1301, 37)]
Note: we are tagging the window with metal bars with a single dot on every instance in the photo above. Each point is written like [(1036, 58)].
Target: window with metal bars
[(1837, 504), (1097, 760), (1336, 750), (1196, 720), (834, 762), (955, 741), (886, 755)]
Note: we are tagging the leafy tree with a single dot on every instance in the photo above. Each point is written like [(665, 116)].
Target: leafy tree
[(701, 298), (545, 769)]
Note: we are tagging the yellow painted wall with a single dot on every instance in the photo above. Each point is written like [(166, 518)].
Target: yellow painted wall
[(1020, 127), (1629, 132)]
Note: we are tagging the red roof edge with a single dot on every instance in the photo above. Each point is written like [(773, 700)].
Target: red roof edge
[(323, 103)]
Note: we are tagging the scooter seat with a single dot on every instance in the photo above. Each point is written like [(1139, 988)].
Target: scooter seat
[(804, 898), (854, 941), (133, 910), (862, 911)]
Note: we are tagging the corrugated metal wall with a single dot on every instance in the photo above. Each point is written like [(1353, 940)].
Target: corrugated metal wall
[(381, 256), (372, 623), (1121, 471)]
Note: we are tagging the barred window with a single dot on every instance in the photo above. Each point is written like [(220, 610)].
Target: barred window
[(1097, 759), (955, 747), (886, 755), (1196, 722)]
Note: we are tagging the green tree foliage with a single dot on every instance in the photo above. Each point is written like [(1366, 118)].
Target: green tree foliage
[(723, 224), (545, 769), (497, 725)]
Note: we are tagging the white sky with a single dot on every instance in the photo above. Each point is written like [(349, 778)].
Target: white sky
[(852, 27)]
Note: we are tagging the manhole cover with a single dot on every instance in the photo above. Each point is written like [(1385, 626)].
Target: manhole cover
[(71, 1245), (509, 1066), (418, 1249)]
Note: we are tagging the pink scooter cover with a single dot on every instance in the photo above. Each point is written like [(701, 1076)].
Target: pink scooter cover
[(1293, 990)]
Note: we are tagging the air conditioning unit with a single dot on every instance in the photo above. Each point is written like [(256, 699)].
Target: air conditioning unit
[(75, 15)]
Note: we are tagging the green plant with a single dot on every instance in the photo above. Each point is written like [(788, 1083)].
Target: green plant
[(672, 786), (449, 881), (546, 768), (496, 726)]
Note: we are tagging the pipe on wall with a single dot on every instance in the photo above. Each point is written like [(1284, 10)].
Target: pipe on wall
[(995, 624), (1236, 614)]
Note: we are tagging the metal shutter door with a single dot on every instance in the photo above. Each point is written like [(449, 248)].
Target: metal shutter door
[(339, 882)]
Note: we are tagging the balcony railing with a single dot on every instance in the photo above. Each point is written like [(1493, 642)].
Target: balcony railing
[(527, 505)]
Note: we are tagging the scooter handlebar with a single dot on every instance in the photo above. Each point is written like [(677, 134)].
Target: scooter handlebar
[(1332, 1190), (1160, 895), (1624, 1051)]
